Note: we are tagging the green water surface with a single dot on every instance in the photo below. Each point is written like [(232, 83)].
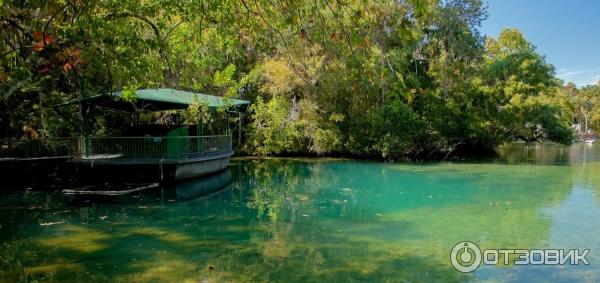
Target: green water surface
[(317, 220)]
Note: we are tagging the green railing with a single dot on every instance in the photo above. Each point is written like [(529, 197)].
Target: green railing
[(182, 147), (155, 147)]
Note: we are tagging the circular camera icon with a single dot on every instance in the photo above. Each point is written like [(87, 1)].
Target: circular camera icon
[(465, 256)]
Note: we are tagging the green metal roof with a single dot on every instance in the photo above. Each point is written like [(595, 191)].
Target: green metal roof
[(186, 98), (157, 99)]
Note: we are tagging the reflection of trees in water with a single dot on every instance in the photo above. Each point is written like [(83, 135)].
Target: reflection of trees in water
[(515, 153), (298, 242), (498, 214), (548, 153), (289, 220)]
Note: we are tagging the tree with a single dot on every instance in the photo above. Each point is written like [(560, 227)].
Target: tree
[(524, 89), (386, 79), (586, 102)]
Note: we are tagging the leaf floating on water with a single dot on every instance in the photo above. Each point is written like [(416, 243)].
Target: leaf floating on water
[(52, 223)]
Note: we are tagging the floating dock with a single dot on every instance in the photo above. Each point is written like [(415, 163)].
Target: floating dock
[(164, 160)]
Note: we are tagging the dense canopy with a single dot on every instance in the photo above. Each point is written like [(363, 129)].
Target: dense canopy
[(387, 78)]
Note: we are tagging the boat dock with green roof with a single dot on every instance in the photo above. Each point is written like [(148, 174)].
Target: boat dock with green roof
[(150, 154)]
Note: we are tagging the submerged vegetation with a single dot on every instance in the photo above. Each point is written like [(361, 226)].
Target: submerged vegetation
[(386, 79), (310, 220)]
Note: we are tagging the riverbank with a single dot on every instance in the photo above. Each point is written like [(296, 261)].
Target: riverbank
[(459, 155)]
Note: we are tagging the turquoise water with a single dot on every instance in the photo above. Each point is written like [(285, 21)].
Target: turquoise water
[(314, 220)]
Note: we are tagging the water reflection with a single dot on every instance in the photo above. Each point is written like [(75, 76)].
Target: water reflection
[(548, 153), (316, 220), (193, 189), (183, 191)]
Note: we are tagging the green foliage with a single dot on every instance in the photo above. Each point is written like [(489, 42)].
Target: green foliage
[(128, 94), (225, 78), (584, 105), (524, 88), (394, 129), (198, 113), (272, 130), (387, 79)]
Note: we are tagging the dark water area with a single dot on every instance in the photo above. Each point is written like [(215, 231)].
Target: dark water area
[(314, 220)]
